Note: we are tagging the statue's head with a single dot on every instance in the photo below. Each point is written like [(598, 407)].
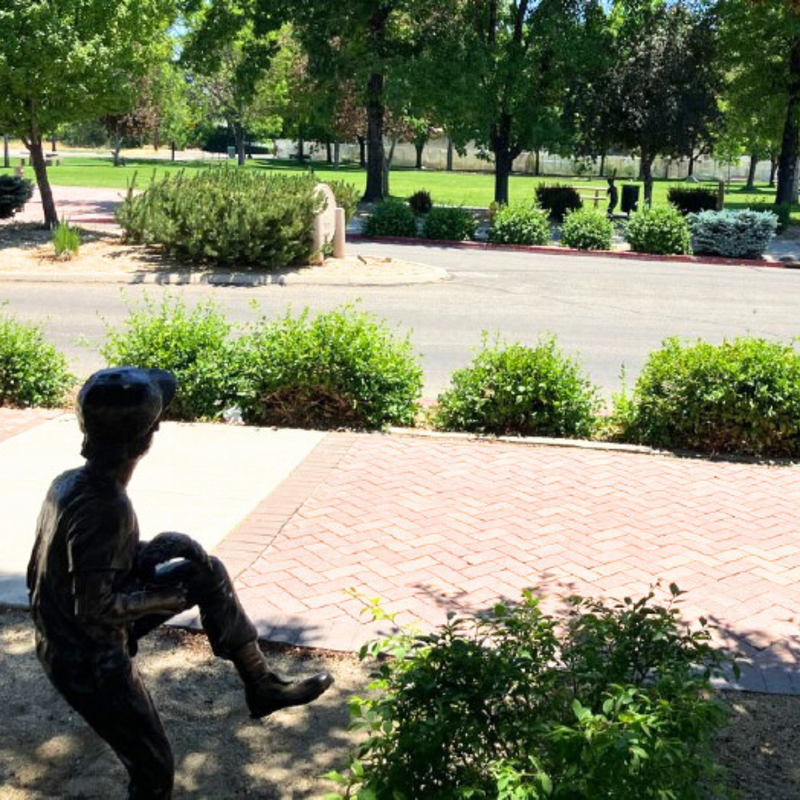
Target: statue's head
[(119, 409)]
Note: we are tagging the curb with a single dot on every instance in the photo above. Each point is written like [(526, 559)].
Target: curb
[(567, 251)]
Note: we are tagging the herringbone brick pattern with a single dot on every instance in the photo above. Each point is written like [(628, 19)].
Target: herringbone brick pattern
[(17, 420), (431, 526)]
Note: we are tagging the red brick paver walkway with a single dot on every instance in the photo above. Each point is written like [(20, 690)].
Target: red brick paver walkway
[(430, 526), (19, 420)]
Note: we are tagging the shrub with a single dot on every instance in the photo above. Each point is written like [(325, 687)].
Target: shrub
[(14, 193), (449, 223), (520, 390), (192, 343), (661, 231), (32, 371), (690, 200), (347, 197), (735, 234), (339, 368), (557, 200), (420, 202), (66, 240), (742, 396), (587, 229), (510, 704), (226, 216), (519, 224), (391, 218)]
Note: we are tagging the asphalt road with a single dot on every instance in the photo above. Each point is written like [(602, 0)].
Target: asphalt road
[(608, 312)]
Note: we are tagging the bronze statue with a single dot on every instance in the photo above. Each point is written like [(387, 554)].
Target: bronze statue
[(95, 589), (613, 194)]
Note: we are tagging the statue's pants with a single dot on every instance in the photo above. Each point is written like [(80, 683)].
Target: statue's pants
[(110, 695)]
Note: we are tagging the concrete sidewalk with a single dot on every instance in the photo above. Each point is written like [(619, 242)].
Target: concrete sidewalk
[(432, 525)]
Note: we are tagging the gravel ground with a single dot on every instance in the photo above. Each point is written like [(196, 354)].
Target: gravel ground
[(46, 751)]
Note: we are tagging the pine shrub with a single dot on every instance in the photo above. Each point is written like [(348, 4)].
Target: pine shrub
[(226, 216), (14, 193), (558, 200), (420, 202), (347, 197), (692, 199), (587, 229), (513, 389), (733, 234)]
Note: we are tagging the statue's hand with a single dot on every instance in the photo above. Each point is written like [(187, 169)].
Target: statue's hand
[(167, 546), (165, 601)]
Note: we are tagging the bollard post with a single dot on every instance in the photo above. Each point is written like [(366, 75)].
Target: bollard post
[(339, 234)]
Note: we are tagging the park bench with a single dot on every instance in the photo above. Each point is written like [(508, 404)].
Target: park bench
[(591, 193), (50, 159)]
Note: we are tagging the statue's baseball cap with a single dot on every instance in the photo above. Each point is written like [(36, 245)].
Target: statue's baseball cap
[(123, 404)]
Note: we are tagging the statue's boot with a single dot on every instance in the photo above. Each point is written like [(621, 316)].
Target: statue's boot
[(266, 692)]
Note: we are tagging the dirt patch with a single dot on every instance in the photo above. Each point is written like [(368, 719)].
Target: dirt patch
[(46, 751)]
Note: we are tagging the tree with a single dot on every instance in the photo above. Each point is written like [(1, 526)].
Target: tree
[(71, 61), (658, 92), (496, 72), (762, 46), (229, 58)]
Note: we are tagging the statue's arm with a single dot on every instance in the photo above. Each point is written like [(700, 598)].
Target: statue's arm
[(97, 602)]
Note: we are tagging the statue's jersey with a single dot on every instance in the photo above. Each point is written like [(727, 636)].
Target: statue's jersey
[(87, 524)]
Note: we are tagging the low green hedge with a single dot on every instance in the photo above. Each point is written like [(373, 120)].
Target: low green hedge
[(32, 371), (661, 231), (449, 223), (742, 396), (226, 216), (391, 218), (340, 368), (519, 224), (532, 391), (587, 229)]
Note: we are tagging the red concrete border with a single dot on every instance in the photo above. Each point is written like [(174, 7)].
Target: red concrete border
[(566, 251)]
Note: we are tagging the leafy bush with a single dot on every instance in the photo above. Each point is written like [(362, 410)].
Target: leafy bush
[(192, 343), (519, 224), (14, 193), (587, 229), (347, 197), (558, 200), (391, 218), (420, 202), (227, 216), (509, 704), (339, 368), (661, 231), (735, 234), (66, 240), (449, 223), (523, 390), (32, 371), (742, 396), (690, 200)]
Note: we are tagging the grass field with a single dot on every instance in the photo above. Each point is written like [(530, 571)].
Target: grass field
[(449, 188)]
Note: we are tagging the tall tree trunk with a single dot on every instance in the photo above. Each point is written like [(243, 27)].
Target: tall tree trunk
[(787, 165), (172, 149), (690, 173), (117, 150), (537, 164), (504, 155), (449, 154), (419, 147), (6, 154), (301, 155), (337, 154), (377, 182), (647, 176), (53, 144), (751, 173), (238, 140), (362, 152), (34, 144), (773, 171), (328, 152), (602, 165)]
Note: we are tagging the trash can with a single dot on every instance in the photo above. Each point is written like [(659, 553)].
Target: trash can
[(231, 152), (630, 198)]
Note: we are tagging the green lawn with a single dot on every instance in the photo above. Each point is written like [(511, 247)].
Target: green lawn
[(451, 188)]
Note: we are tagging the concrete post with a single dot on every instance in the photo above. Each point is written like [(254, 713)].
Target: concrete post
[(339, 234)]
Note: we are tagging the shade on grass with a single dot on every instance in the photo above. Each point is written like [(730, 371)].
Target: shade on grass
[(449, 188)]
